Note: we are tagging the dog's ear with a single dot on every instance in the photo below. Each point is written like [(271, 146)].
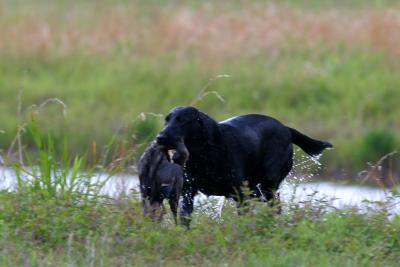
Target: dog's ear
[(205, 120), (200, 118), (209, 127)]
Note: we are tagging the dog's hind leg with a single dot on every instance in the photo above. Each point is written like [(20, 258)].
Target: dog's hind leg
[(275, 168)]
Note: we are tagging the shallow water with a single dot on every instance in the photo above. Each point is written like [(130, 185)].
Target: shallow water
[(296, 190)]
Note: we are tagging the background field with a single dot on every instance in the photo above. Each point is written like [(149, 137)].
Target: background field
[(328, 68)]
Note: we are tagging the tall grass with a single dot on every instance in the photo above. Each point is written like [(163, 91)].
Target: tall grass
[(53, 193), (67, 179)]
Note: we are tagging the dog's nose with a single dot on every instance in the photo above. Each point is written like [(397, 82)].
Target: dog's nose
[(161, 139)]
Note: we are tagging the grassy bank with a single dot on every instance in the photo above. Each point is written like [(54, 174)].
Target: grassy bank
[(58, 217), (329, 69), (115, 233)]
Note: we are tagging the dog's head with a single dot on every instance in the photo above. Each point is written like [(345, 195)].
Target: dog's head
[(180, 123), (186, 125)]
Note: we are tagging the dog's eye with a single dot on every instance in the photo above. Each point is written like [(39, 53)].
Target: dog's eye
[(179, 119)]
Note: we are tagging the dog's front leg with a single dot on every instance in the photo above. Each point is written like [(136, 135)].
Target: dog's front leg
[(187, 207)]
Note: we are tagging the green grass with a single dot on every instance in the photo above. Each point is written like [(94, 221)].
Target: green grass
[(57, 216), (48, 232), (117, 234), (50, 222)]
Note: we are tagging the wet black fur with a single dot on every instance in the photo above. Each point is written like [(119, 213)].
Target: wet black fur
[(253, 148)]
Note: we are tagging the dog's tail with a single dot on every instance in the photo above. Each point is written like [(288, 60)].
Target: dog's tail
[(311, 146)]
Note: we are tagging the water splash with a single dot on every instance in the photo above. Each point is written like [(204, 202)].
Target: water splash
[(304, 168)]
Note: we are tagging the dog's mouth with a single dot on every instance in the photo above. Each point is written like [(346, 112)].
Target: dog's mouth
[(176, 149), (181, 154), (168, 141)]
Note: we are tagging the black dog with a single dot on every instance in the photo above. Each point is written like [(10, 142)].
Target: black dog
[(161, 179), (253, 148)]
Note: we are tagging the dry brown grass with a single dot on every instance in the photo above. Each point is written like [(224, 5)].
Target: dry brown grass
[(213, 35)]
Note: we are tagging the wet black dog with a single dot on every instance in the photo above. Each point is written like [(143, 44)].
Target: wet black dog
[(253, 148), (161, 179)]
